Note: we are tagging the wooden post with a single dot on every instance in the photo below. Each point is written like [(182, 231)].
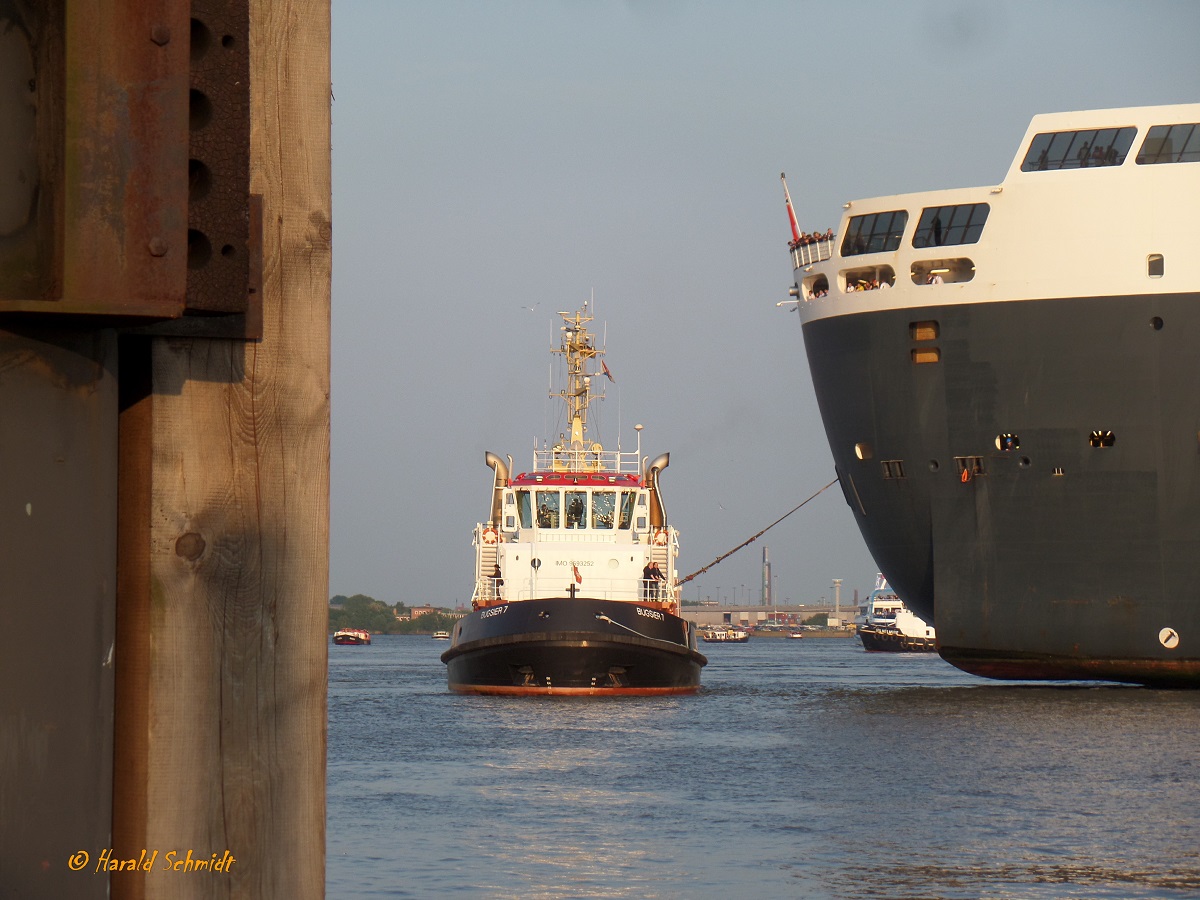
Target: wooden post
[(220, 717)]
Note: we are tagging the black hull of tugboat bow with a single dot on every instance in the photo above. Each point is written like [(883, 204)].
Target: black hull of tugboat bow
[(566, 646), (1070, 549), (885, 640)]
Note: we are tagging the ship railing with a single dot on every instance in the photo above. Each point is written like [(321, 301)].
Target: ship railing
[(814, 252), (578, 536), (488, 593), (614, 462)]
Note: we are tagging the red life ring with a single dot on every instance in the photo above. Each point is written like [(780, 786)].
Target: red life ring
[(660, 537), (490, 536)]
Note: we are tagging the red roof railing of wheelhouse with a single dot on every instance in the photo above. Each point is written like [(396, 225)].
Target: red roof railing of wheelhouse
[(597, 479)]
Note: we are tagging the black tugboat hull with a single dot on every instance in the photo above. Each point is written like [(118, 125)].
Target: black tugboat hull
[(884, 640), (565, 646)]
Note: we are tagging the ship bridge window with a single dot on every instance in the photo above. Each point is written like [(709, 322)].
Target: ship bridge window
[(525, 507), (627, 501), (874, 233), (548, 509), (1078, 149), (942, 271), (604, 507), (941, 225), (576, 509), (1170, 144), (868, 278)]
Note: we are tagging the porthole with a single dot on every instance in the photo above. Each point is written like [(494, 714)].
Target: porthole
[(1156, 323), (1024, 462), (933, 465), (1008, 442), (1102, 439), (863, 450)]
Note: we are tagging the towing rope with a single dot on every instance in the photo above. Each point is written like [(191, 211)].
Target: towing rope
[(729, 553)]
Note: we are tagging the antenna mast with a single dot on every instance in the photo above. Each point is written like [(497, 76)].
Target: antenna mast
[(578, 346)]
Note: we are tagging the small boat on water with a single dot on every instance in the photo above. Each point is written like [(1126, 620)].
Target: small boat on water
[(796, 635), (441, 635), (884, 623), (726, 636), (351, 636), (575, 580)]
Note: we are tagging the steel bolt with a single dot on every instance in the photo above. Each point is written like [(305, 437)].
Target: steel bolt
[(157, 247), (161, 35)]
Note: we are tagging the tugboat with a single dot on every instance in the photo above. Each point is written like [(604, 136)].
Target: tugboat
[(1008, 378), (575, 580), (885, 624)]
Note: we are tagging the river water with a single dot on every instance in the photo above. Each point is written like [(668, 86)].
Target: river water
[(803, 768)]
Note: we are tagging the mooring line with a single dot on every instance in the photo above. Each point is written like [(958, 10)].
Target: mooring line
[(753, 539)]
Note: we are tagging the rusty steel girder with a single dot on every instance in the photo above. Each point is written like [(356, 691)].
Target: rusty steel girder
[(124, 159)]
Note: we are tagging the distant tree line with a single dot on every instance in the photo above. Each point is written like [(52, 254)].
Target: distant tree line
[(369, 614)]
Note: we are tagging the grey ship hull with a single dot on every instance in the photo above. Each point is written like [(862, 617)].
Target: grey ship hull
[(1054, 559)]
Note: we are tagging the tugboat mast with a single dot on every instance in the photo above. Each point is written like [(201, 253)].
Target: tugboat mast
[(578, 346)]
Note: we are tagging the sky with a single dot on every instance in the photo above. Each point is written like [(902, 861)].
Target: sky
[(494, 162)]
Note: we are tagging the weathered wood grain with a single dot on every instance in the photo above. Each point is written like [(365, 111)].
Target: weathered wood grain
[(238, 518)]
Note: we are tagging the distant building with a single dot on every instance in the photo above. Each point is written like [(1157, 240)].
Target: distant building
[(418, 611)]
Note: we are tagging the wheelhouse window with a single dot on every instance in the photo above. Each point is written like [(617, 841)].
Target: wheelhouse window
[(547, 509), (525, 506), (1170, 144), (627, 500), (604, 504), (1097, 147), (874, 233), (942, 225), (576, 509)]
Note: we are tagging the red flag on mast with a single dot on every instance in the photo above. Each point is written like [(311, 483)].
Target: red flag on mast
[(787, 199), (607, 374)]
